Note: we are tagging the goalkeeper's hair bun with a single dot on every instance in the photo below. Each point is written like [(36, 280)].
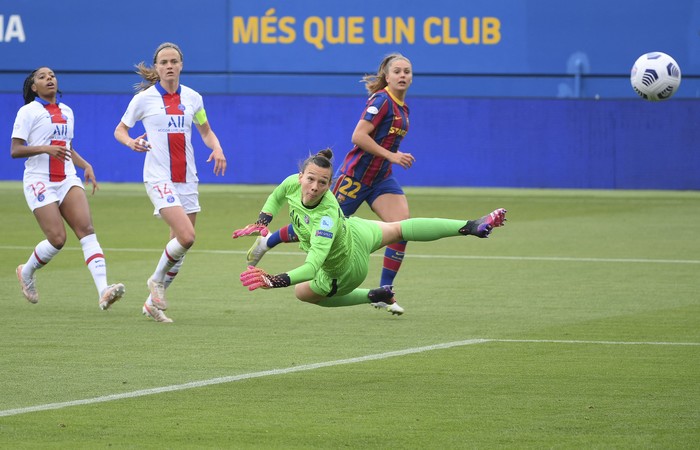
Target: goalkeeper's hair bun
[(321, 159), (327, 153)]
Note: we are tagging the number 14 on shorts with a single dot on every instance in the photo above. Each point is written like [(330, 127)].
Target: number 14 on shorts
[(162, 189), (162, 195)]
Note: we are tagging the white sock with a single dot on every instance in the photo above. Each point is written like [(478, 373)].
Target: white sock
[(172, 254), (95, 261), (172, 273), (43, 253), (169, 278)]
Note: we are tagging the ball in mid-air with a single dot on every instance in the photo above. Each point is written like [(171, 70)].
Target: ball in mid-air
[(655, 76)]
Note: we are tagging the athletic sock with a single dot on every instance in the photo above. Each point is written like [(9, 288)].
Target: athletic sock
[(422, 229), (169, 278), (42, 254), (274, 239), (284, 234), (287, 234), (393, 257), (173, 253), (172, 273), (95, 261)]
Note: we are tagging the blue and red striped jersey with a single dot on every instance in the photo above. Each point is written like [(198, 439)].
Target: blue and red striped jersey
[(390, 119)]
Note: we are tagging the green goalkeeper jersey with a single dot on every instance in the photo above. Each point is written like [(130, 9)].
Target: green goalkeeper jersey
[(322, 230)]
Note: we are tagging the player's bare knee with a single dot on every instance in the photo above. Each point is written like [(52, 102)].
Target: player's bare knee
[(57, 240), (83, 231), (187, 240), (304, 293)]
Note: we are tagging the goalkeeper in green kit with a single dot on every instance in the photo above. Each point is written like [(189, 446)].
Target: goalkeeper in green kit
[(338, 247)]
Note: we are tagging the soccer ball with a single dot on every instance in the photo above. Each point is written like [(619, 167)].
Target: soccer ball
[(655, 76)]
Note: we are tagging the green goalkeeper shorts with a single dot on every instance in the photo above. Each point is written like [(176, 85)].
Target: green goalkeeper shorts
[(366, 238)]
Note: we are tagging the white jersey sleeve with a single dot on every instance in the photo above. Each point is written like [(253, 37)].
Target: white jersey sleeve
[(134, 111), (39, 123)]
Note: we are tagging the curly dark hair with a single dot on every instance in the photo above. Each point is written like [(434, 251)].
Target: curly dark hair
[(27, 93)]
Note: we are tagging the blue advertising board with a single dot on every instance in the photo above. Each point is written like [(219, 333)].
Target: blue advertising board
[(482, 48), (534, 143), (513, 93)]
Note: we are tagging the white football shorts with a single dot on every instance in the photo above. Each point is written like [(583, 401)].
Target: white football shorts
[(40, 193), (166, 194)]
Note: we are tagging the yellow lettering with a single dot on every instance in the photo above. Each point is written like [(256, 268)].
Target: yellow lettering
[(464, 30), (355, 30), (339, 38), (428, 36), (245, 33), (484, 30), (396, 29), (267, 27), (492, 30), (322, 31), (286, 25), (376, 30), (313, 31), (407, 30), (446, 37), (399, 131)]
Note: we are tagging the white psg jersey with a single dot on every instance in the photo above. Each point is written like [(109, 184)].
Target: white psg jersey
[(167, 119), (43, 123)]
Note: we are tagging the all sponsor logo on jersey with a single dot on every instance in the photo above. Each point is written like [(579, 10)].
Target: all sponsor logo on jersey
[(176, 121), (176, 124), (170, 199), (60, 132)]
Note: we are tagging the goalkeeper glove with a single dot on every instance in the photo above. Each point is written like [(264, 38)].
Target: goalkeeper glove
[(260, 226), (255, 277)]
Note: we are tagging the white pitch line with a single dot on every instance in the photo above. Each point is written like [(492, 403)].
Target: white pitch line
[(305, 367), (557, 341), (230, 379), (381, 255)]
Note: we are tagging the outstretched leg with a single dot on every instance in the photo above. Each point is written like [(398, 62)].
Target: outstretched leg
[(422, 229), (264, 243)]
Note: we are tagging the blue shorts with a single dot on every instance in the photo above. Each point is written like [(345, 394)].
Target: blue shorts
[(350, 193)]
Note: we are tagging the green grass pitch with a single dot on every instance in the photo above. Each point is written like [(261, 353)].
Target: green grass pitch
[(577, 325)]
